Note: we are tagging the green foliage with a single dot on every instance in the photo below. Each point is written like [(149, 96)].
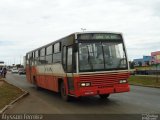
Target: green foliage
[(131, 64), (145, 80), (8, 93)]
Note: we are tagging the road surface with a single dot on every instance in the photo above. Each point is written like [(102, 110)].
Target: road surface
[(138, 101)]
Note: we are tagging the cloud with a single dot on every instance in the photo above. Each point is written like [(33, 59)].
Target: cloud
[(29, 24), (6, 43)]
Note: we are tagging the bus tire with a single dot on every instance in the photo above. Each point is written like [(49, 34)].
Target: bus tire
[(104, 96), (35, 83), (63, 92)]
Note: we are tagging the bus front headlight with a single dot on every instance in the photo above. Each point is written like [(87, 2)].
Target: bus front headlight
[(83, 84), (86, 84), (123, 81)]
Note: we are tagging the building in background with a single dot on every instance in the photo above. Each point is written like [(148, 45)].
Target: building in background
[(145, 61), (155, 57), (155, 60)]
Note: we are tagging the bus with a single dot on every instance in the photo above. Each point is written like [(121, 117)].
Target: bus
[(81, 64)]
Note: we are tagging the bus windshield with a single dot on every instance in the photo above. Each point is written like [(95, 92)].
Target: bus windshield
[(100, 56)]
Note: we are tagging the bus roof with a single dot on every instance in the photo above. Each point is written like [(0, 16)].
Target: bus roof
[(75, 34), (96, 32)]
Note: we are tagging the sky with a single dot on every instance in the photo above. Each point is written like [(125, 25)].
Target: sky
[(29, 24)]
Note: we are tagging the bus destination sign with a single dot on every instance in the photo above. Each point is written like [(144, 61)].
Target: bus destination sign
[(101, 36)]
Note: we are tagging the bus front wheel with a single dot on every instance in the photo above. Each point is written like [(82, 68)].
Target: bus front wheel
[(104, 96), (63, 92)]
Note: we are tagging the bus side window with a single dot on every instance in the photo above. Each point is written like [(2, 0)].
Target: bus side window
[(57, 53), (64, 57), (69, 59), (33, 59)]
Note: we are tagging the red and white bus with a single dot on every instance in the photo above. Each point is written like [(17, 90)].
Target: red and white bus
[(81, 64)]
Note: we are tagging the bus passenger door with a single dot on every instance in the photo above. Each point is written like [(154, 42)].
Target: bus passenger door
[(70, 79), (69, 59), (68, 66)]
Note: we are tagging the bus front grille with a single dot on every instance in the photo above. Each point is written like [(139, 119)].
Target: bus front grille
[(103, 80)]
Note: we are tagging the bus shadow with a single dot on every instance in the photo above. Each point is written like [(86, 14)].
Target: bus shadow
[(81, 101), (93, 101)]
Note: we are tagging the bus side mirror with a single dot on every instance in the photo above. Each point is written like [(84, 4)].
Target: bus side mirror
[(75, 46)]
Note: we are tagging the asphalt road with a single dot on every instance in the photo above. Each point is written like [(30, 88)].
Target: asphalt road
[(138, 101)]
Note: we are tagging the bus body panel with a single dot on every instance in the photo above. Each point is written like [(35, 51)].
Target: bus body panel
[(48, 82), (46, 76), (101, 83)]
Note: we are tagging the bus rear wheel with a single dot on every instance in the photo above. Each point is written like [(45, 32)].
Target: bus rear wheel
[(35, 83), (63, 92), (104, 96)]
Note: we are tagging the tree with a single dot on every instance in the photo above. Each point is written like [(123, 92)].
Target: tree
[(131, 64), (140, 63)]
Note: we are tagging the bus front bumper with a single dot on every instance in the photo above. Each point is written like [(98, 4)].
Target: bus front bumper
[(91, 91)]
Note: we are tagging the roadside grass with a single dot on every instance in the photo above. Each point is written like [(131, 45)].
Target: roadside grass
[(143, 68), (150, 81), (8, 93)]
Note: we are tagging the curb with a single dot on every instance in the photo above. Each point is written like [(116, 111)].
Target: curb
[(146, 86), (15, 100)]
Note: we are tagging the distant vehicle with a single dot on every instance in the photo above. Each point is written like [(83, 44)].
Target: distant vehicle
[(9, 69), (21, 71), (14, 70)]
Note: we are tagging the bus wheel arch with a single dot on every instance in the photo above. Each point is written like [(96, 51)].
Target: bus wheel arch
[(59, 84), (63, 90)]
